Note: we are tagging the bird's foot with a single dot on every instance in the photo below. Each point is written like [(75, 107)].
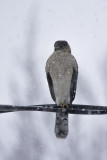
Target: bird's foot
[(64, 105)]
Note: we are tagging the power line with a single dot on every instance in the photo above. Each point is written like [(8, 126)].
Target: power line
[(73, 109)]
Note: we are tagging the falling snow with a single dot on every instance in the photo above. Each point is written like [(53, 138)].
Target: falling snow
[(28, 30)]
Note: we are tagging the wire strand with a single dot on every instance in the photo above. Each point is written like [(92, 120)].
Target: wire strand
[(73, 109)]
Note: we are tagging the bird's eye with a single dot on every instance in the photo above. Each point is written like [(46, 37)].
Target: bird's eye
[(65, 44)]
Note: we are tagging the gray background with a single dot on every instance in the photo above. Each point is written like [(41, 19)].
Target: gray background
[(28, 30)]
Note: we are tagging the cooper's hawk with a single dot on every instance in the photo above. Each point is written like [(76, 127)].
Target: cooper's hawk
[(62, 73)]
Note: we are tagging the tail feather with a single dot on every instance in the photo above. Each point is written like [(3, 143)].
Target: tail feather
[(61, 125)]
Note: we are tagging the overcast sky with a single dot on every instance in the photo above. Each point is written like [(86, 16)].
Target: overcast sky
[(28, 30)]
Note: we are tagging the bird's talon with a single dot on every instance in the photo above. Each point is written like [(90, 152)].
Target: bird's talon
[(64, 105)]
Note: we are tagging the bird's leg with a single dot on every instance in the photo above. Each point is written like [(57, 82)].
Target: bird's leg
[(64, 105)]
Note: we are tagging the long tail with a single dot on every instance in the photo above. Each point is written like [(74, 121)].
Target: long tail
[(61, 125)]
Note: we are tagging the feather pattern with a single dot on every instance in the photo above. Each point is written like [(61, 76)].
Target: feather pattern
[(62, 72)]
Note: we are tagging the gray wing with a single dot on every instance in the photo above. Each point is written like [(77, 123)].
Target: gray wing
[(73, 85), (51, 88)]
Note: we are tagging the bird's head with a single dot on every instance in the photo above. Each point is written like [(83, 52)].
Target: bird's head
[(62, 46)]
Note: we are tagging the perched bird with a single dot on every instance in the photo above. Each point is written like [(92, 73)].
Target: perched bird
[(62, 73)]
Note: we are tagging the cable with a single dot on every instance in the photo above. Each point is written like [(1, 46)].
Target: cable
[(73, 109)]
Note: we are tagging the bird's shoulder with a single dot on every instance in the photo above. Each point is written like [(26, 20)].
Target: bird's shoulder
[(49, 61)]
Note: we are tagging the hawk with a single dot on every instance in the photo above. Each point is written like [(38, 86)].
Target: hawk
[(62, 73)]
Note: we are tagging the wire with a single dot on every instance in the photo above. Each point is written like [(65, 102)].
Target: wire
[(73, 109)]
